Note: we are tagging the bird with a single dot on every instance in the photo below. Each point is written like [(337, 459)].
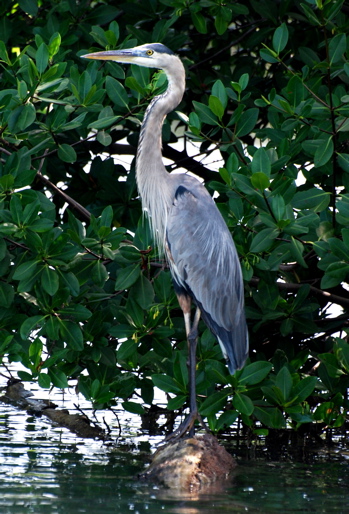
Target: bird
[(187, 228)]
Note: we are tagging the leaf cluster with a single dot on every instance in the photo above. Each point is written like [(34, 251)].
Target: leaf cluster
[(84, 296)]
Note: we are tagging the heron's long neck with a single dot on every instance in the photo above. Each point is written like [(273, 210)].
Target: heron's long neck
[(152, 177)]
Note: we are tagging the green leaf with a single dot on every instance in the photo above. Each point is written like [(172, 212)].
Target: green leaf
[(297, 250), (29, 325), (104, 138), (304, 388), (278, 207), (75, 311), (216, 106), (165, 383), (214, 403), (54, 44), (247, 122), (280, 38), (313, 198), (44, 380), (126, 350), (338, 248), (3, 54), (103, 122), (51, 327), (221, 24), (116, 92), (244, 80), (50, 280), (308, 11), (72, 335), (25, 270), (227, 419), (99, 273), (254, 373), (177, 402), (29, 6), (75, 123), (72, 283), (99, 36), (23, 375), (180, 368), (133, 407), (7, 294), (260, 181), (21, 117), (343, 161), (268, 55), (284, 382), (66, 153), (205, 114), (261, 162), (199, 22), (324, 152), (218, 90), (143, 292), (58, 378), (122, 330), (337, 48), (35, 352), (126, 277), (243, 404), (194, 122), (343, 353), (295, 94), (263, 240), (42, 57), (264, 414)]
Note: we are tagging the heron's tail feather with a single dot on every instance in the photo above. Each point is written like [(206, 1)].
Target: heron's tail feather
[(234, 343)]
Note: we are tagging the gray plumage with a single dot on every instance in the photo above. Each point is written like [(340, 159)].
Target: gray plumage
[(184, 219)]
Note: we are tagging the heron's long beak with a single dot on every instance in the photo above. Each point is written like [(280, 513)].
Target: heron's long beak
[(127, 56)]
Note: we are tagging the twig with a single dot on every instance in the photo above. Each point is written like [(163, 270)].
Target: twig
[(289, 286), (118, 422), (73, 203), (94, 423)]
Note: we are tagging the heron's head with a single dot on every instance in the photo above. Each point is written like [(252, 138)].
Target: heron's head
[(152, 55)]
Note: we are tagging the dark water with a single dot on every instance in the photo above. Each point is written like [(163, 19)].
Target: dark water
[(46, 469)]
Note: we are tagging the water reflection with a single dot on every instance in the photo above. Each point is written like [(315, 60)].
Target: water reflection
[(46, 469)]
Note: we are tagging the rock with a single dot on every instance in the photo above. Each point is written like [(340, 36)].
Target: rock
[(190, 465)]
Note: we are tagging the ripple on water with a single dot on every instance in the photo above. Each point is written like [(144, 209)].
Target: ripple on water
[(47, 469)]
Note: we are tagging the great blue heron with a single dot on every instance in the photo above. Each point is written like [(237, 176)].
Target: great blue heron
[(187, 227)]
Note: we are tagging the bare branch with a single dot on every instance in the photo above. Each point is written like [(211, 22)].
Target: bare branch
[(333, 298)]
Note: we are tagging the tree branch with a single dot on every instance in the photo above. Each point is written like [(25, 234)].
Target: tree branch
[(181, 158), (333, 298), (84, 213)]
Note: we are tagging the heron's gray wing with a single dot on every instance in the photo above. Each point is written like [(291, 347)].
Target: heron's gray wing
[(205, 264)]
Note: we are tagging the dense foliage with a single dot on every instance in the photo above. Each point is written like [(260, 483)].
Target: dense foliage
[(83, 293)]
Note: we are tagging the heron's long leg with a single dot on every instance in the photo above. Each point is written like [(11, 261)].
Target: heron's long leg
[(192, 337)]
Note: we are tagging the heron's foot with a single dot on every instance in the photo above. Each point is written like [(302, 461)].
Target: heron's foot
[(186, 427)]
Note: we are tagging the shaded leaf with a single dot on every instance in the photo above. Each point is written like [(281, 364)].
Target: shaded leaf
[(255, 372), (247, 122), (243, 404), (214, 403), (280, 38)]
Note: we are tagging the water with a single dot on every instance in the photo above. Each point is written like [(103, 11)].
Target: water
[(46, 469)]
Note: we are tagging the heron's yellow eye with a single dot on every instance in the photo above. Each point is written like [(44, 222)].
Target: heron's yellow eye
[(150, 52)]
